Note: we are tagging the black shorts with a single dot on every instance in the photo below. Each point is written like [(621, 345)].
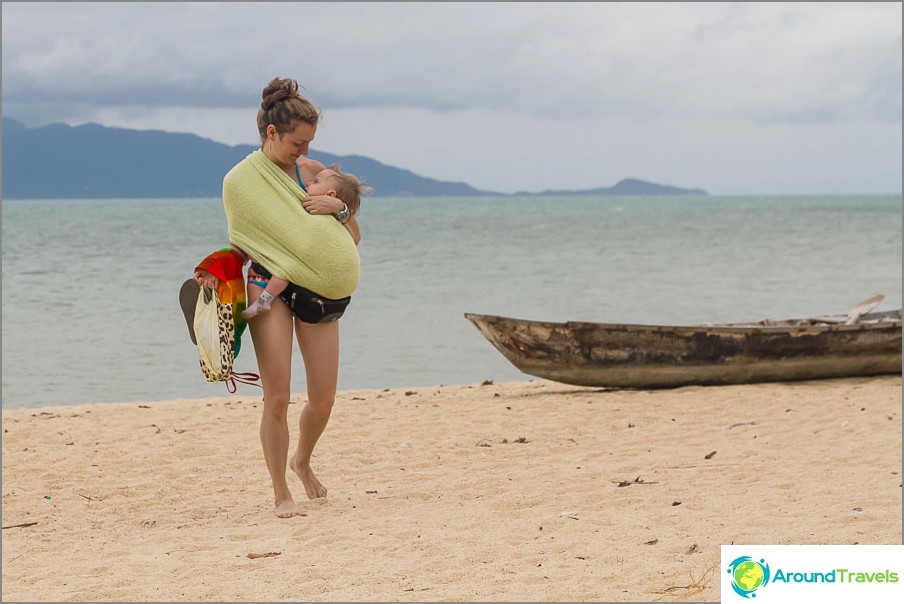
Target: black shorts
[(307, 306)]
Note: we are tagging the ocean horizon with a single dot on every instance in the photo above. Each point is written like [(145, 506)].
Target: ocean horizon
[(90, 311)]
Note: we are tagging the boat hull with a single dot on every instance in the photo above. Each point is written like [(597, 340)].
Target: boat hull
[(654, 356)]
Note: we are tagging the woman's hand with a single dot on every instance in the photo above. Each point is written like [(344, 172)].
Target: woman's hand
[(327, 204), (207, 280), (322, 204)]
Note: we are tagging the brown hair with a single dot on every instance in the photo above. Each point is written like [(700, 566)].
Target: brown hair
[(348, 188), (282, 106)]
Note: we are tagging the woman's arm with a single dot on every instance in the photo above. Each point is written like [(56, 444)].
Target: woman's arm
[(351, 225), (241, 253), (327, 204)]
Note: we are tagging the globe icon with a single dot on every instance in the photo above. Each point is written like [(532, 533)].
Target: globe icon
[(748, 575)]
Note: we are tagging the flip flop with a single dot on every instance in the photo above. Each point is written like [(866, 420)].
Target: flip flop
[(188, 300)]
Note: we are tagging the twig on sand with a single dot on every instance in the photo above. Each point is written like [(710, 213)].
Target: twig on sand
[(694, 587), (23, 525), (741, 424), (708, 466), (638, 480)]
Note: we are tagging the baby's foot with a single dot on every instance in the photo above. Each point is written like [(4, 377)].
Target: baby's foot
[(254, 310), (258, 307)]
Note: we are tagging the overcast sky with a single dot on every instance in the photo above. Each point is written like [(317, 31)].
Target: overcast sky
[(734, 98)]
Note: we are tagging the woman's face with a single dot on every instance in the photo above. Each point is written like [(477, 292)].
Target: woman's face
[(286, 148)]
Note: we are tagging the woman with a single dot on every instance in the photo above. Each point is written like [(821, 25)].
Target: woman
[(308, 240)]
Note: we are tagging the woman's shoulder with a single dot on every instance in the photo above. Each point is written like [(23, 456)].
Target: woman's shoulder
[(309, 168), (310, 164)]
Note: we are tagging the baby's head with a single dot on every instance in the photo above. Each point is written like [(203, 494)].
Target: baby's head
[(345, 186)]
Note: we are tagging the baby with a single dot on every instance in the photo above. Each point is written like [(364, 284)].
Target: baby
[(330, 181)]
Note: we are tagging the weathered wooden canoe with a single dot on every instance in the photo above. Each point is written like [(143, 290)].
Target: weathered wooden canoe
[(662, 356)]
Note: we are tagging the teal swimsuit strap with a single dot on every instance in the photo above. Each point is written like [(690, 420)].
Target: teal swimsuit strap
[(300, 182)]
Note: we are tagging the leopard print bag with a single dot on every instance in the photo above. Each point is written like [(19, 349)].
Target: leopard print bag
[(214, 327)]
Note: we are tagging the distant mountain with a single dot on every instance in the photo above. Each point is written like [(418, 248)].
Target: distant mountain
[(97, 162), (628, 186)]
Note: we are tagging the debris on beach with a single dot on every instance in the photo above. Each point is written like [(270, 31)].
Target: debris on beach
[(638, 480), (266, 555), (696, 585), (23, 525)]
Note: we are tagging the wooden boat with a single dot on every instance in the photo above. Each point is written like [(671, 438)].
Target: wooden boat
[(664, 356)]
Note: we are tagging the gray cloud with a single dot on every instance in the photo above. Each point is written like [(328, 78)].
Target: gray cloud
[(762, 60), (594, 64)]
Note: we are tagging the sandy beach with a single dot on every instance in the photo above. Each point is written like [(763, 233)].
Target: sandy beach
[(531, 491)]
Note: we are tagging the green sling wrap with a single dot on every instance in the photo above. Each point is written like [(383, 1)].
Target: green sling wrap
[(267, 221)]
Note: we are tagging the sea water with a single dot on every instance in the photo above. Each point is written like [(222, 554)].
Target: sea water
[(90, 287)]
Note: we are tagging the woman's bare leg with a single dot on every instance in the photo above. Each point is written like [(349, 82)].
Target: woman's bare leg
[(319, 344), (272, 336)]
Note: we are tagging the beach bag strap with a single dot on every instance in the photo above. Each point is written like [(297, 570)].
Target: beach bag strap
[(252, 379)]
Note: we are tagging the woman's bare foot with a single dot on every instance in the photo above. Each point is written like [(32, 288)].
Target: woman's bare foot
[(288, 509), (312, 486)]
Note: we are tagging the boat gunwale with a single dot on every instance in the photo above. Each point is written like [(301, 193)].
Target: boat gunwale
[(784, 326)]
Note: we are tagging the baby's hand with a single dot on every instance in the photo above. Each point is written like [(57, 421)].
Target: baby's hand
[(322, 204), (205, 279)]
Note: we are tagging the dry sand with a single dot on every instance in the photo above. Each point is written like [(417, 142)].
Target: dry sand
[(530, 491)]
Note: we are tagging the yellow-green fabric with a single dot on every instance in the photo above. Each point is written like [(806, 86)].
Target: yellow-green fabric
[(267, 221)]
